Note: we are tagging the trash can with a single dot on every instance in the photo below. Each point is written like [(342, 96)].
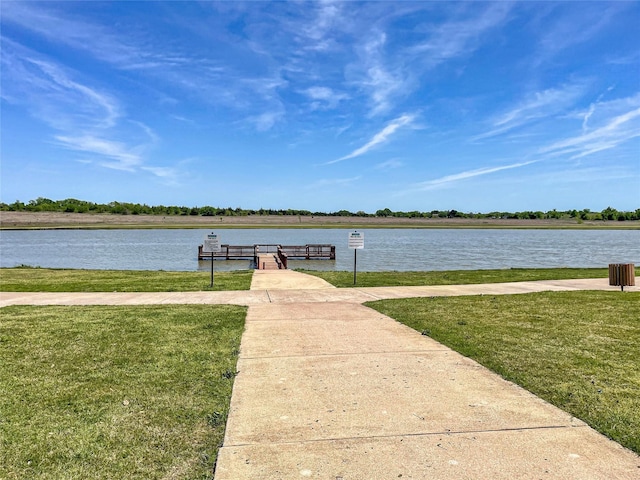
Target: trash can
[(622, 275)]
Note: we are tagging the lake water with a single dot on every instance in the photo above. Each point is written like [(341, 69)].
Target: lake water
[(385, 249)]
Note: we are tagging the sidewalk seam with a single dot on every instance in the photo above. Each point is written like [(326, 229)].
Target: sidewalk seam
[(375, 297), (403, 435), (348, 354)]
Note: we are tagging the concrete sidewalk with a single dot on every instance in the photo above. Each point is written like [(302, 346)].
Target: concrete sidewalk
[(286, 286), (334, 390), (286, 280)]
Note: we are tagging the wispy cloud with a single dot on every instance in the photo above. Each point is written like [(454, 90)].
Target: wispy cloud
[(86, 119), (563, 29), (384, 80), (51, 92), (613, 132), (76, 33), (328, 182), (265, 121), (592, 109), (327, 14), (537, 105), (381, 137), (460, 37), (566, 175), (324, 97), (100, 42), (168, 175), (307, 41), (112, 154), (389, 70), (143, 54), (449, 179), (389, 164)]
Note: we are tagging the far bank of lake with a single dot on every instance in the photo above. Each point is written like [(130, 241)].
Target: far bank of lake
[(385, 249), (56, 220)]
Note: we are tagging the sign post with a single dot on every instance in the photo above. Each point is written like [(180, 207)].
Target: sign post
[(356, 241), (211, 245)]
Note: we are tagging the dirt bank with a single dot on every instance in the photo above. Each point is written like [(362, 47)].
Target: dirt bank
[(49, 220)]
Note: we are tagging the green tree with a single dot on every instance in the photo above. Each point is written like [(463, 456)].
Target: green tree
[(609, 214)]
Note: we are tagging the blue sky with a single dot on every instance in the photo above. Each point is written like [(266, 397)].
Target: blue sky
[(477, 106)]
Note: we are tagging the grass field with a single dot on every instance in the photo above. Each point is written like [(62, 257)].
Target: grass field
[(115, 392), (455, 277), (577, 350), (143, 392), (27, 279)]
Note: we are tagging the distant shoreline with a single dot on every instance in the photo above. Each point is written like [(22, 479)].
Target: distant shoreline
[(72, 221)]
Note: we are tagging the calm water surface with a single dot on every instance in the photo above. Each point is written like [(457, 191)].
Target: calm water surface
[(385, 249)]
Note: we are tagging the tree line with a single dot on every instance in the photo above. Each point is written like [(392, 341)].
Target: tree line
[(72, 205)]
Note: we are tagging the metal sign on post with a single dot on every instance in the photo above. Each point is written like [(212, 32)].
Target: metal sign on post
[(211, 245), (356, 241)]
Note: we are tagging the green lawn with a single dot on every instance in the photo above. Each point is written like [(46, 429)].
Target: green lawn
[(577, 350), (115, 392), (26, 279), (143, 391), (455, 277)]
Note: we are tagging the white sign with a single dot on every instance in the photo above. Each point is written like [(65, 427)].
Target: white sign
[(356, 240), (211, 243)]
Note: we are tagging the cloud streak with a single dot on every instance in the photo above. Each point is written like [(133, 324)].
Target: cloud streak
[(614, 132), (563, 31), (389, 164), (115, 154), (449, 179), (389, 73), (538, 105), (379, 138), (380, 78), (330, 182), (86, 119), (51, 93), (143, 55), (460, 37), (100, 42)]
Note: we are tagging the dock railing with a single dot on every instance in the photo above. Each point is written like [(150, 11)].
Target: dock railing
[(283, 252), (310, 251), (283, 257), (229, 252)]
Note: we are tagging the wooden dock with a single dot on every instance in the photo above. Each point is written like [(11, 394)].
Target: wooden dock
[(259, 253), (268, 261)]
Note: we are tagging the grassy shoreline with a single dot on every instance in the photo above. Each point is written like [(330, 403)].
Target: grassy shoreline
[(74, 221), (344, 279), (36, 279)]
